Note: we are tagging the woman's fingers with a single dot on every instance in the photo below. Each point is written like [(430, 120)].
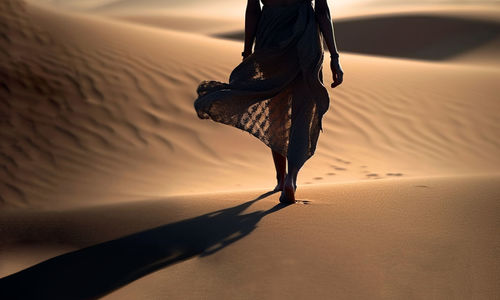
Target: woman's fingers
[(338, 74), (338, 78)]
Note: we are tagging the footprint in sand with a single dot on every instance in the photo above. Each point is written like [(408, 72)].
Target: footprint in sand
[(338, 168), (342, 161), (394, 174), (304, 202)]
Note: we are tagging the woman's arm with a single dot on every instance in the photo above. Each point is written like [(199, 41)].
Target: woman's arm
[(322, 12), (252, 16)]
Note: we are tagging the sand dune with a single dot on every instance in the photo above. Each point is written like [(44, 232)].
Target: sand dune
[(416, 35), (223, 8), (218, 8), (86, 105), (98, 99), (100, 141), (383, 239), (188, 23), (424, 32)]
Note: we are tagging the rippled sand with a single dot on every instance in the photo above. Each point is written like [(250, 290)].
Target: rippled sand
[(99, 141)]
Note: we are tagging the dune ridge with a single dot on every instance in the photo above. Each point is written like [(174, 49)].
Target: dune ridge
[(184, 22), (106, 171), (425, 36)]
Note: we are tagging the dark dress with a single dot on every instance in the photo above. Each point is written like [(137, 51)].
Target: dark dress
[(277, 93)]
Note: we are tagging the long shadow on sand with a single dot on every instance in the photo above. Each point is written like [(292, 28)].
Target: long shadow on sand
[(95, 271)]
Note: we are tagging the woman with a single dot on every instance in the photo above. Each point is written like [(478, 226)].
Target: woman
[(276, 93)]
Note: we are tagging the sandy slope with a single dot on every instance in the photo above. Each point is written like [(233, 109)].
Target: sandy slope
[(88, 104), (429, 32), (422, 34), (98, 133), (184, 22), (109, 105), (433, 237)]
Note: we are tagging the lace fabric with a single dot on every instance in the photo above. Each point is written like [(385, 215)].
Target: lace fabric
[(277, 93)]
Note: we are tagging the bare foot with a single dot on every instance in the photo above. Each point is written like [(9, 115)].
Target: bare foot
[(288, 193), (281, 184)]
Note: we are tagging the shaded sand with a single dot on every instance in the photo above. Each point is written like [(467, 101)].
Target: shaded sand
[(422, 35), (99, 141), (378, 240), (224, 8)]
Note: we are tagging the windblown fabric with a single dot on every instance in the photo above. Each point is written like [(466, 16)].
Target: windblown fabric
[(277, 93)]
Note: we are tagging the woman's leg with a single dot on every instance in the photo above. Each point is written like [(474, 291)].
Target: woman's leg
[(288, 194), (280, 165), (299, 138), (278, 133)]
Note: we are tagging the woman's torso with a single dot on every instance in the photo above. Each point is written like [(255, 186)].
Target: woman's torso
[(281, 2)]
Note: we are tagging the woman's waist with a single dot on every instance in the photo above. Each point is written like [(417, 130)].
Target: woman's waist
[(284, 5)]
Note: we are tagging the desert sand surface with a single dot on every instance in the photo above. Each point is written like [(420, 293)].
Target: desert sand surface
[(110, 186), (382, 239), (186, 23)]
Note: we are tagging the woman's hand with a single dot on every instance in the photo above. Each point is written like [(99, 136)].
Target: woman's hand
[(337, 73)]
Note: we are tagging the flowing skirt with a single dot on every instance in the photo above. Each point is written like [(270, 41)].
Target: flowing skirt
[(277, 93)]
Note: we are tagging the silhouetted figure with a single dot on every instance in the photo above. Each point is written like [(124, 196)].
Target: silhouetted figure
[(276, 93)]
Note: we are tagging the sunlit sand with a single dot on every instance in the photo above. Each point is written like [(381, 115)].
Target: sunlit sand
[(100, 141)]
